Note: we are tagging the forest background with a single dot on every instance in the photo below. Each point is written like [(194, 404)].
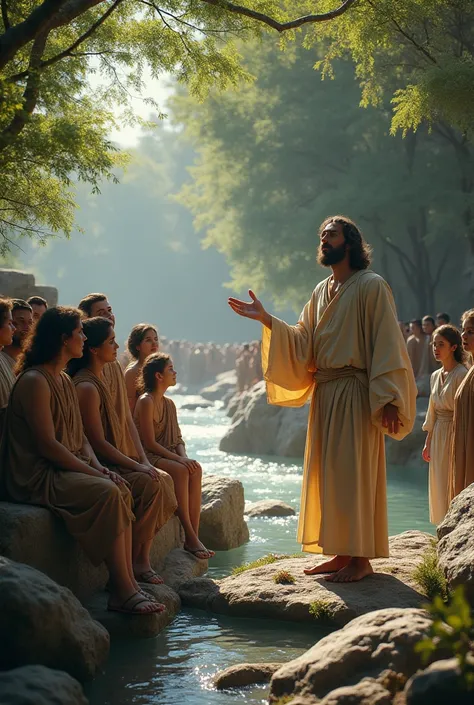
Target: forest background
[(276, 115)]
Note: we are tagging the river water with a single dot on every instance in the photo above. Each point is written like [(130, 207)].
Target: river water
[(177, 667)]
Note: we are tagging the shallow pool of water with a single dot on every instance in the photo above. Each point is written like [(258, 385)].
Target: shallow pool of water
[(176, 668)]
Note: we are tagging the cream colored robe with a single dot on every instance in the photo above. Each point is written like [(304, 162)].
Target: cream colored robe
[(439, 422), (462, 468), (7, 379), (351, 352)]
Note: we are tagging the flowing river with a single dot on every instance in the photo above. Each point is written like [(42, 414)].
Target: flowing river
[(177, 667)]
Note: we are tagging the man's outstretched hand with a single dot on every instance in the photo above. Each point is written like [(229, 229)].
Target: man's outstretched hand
[(252, 309)]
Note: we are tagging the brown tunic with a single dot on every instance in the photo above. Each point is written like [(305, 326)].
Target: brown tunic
[(94, 509), (166, 428), (7, 378), (462, 469), (154, 500)]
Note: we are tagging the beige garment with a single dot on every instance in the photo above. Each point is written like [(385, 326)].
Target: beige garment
[(418, 356), (7, 378), (462, 468), (94, 510), (439, 422), (429, 364), (166, 427), (154, 500), (355, 342)]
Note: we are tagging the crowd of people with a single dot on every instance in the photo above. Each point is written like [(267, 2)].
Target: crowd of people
[(101, 447), (106, 456)]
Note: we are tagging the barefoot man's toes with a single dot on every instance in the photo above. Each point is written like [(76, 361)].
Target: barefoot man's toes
[(330, 566), (355, 570)]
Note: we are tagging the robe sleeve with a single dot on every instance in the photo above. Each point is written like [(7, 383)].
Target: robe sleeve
[(391, 378), (430, 414), (288, 359)]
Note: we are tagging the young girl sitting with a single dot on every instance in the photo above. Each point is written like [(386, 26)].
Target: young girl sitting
[(157, 423)]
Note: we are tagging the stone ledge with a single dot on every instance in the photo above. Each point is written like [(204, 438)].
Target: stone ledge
[(33, 535)]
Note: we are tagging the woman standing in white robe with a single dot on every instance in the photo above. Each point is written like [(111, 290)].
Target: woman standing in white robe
[(447, 349)]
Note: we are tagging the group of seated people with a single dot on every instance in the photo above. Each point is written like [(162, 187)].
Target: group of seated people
[(449, 422), (102, 451)]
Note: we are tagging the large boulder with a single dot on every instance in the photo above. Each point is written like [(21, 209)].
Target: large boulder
[(270, 508), (442, 682), (456, 542), (33, 535), (225, 383), (255, 592), (42, 622), (258, 427), (243, 674), (367, 692), (222, 525), (181, 566), (38, 685), (367, 647)]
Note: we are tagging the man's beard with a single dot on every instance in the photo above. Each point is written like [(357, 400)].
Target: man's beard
[(332, 256)]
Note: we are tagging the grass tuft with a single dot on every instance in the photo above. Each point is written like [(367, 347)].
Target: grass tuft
[(283, 577), (429, 577), (265, 560), (322, 611)]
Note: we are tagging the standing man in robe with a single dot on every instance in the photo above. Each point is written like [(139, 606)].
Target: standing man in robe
[(347, 348)]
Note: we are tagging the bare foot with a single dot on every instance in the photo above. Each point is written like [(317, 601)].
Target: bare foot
[(355, 570), (330, 566)]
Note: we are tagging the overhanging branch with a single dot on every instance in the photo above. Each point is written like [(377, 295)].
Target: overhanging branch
[(273, 23)]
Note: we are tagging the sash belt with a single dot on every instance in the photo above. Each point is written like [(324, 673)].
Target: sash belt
[(444, 415), (329, 375)]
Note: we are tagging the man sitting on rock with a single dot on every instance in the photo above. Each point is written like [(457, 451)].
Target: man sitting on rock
[(22, 316)]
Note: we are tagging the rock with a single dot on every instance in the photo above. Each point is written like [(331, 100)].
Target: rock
[(42, 622), (456, 543), (38, 685), (125, 626), (225, 382), (270, 508), (439, 684), (21, 285), (244, 674), (33, 535), (367, 692), (233, 403), (254, 593), (180, 566), (222, 525), (257, 427), (364, 648)]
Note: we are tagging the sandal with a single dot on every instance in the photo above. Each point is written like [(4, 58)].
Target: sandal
[(150, 577), (194, 552), (139, 599)]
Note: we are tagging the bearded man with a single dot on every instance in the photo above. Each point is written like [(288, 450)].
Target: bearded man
[(348, 353)]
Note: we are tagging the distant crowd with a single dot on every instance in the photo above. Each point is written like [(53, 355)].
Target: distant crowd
[(418, 334)]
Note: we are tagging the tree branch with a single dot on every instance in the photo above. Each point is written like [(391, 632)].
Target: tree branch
[(16, 37), (6, 21), (69, 51), (273, 23)]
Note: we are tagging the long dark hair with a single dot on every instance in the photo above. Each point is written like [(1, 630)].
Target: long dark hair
[(137, 336), (360, 252), (97, 330), (453, 336), (46, 339), (156, 362)]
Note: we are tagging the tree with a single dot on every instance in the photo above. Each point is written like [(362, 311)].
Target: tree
[(281, 154)]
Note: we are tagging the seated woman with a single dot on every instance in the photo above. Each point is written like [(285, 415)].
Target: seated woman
[(7, 376), (157, 423), (109, 436), (142, 341), (46, 459), (462, 468), (447, 349)]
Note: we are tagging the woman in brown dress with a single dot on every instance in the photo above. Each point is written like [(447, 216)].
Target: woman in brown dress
[(157, 423), (46, 460), (462, 469), (109, 436), (142, 341)]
